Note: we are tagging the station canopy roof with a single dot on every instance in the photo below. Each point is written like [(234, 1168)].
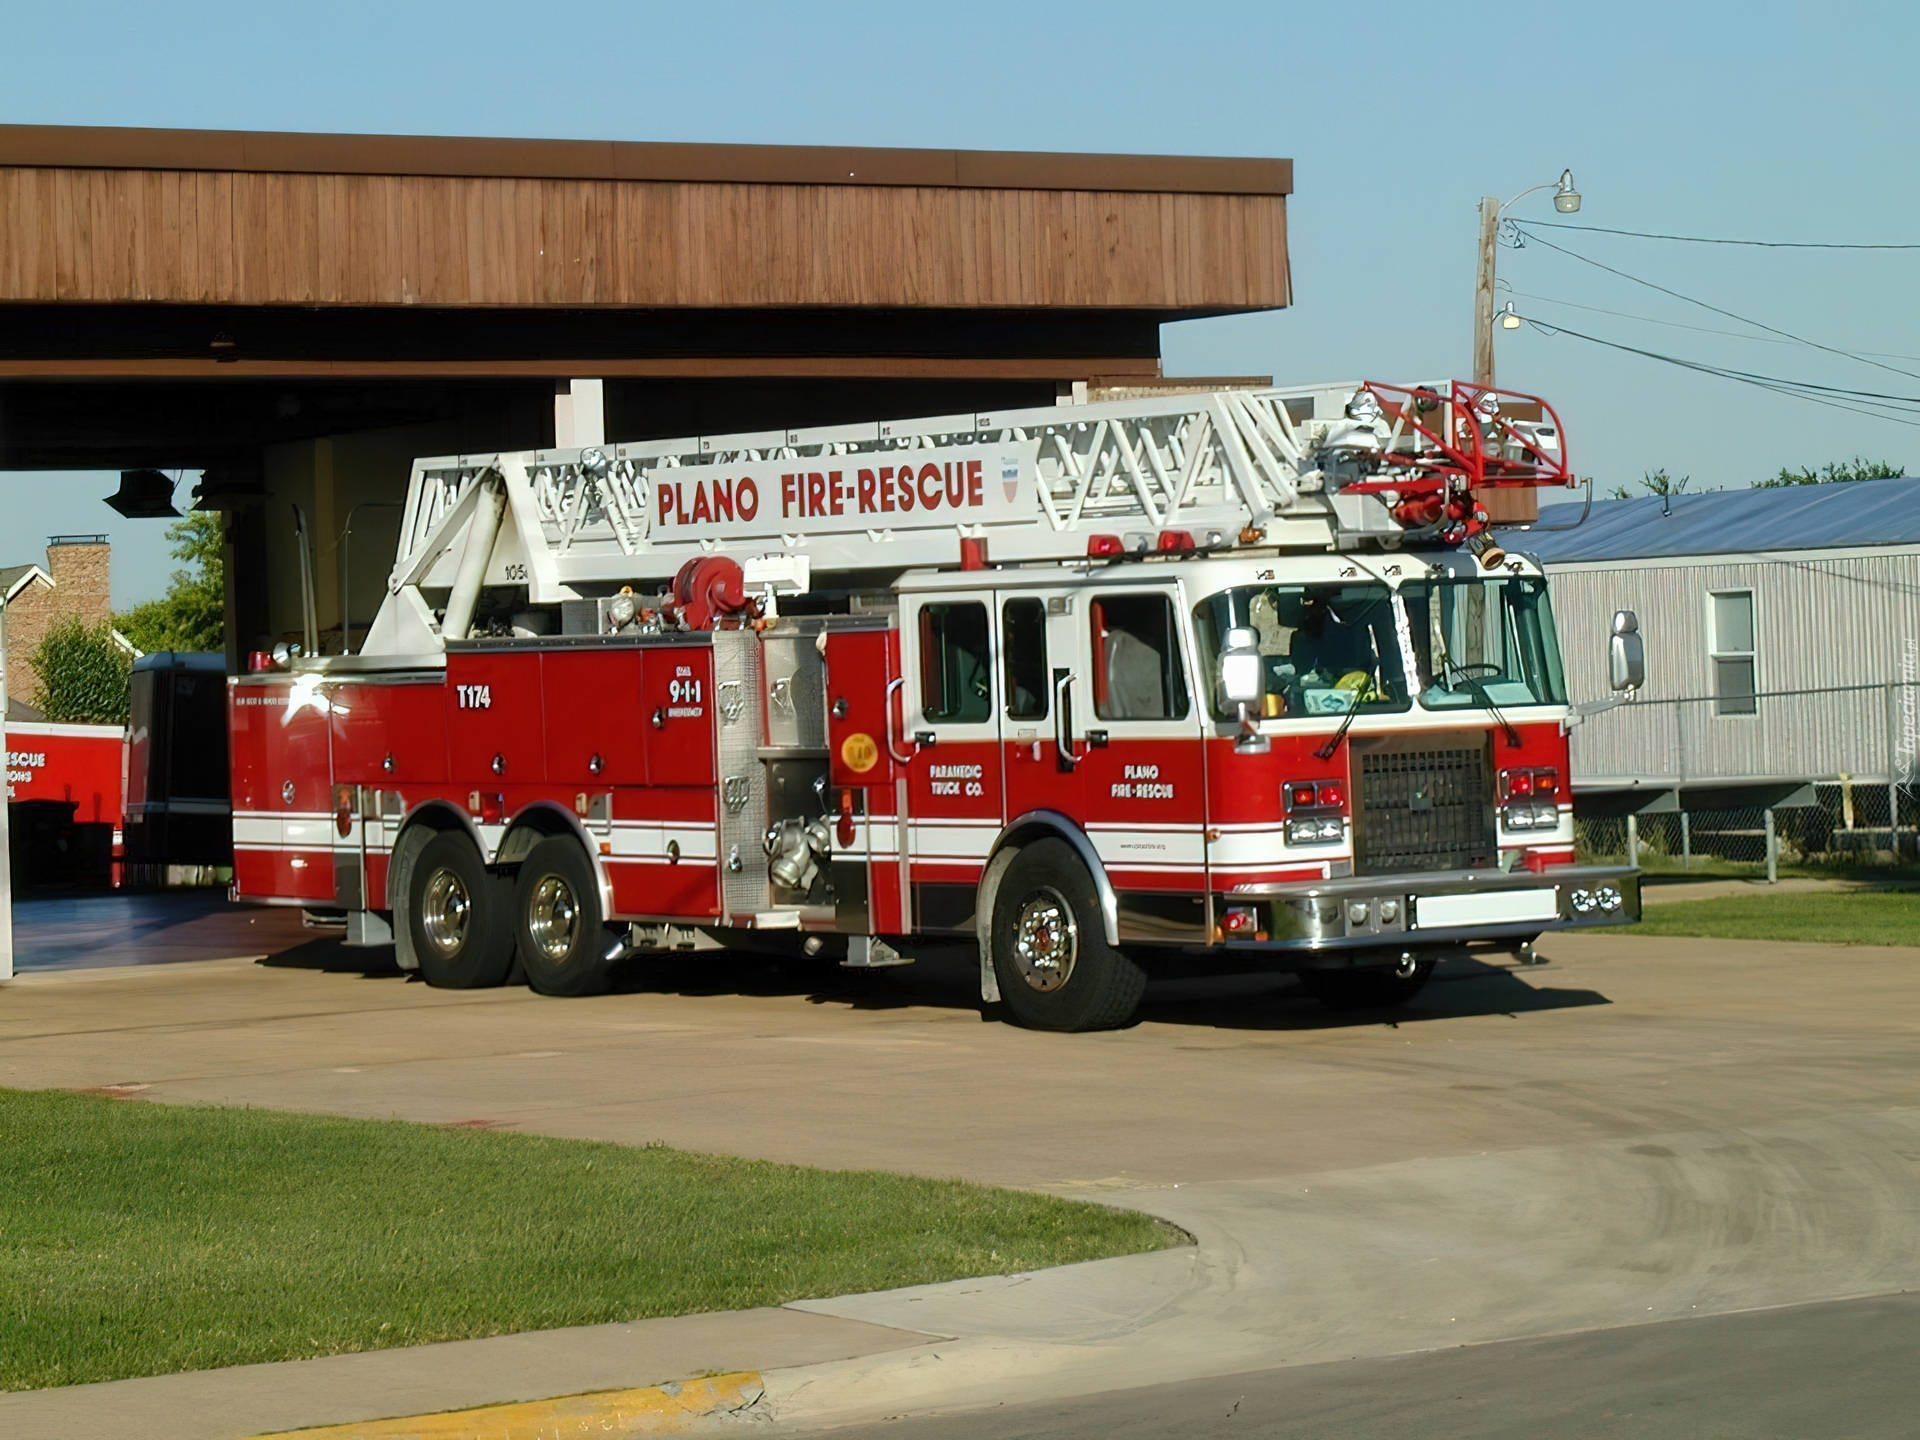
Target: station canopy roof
[(1836, 516)]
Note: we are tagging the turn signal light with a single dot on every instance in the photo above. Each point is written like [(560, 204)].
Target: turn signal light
[(1098, 545), (1314, 794), (1523, 784)]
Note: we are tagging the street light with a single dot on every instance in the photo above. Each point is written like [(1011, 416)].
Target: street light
[(1566, 199)]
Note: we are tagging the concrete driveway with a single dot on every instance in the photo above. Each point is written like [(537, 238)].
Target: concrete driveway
[(1640, 1130)]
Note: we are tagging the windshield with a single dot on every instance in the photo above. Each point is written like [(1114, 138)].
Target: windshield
[(1324, 649), (1480, 642)]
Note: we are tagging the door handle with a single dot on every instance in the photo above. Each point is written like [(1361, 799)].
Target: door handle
[(1063, 719), (893, 688)]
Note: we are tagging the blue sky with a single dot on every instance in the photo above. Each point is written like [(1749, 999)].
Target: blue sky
[(1762, 120)]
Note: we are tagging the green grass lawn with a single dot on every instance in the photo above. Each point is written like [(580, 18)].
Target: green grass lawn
[(140, 1239), (1871, 917)]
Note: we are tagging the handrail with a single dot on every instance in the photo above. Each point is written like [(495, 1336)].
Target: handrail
[(894, 686), (1063, 721)]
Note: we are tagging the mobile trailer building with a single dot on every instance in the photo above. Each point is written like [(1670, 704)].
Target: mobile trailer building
[(1782, 630)]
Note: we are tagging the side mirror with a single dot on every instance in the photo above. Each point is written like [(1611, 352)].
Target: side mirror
[(1243, 683), (1626, 653), (1240, 678)]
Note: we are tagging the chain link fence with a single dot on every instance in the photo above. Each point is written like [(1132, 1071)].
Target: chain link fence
[(1847, 828)]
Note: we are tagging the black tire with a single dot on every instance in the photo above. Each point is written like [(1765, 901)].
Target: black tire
[(558, 925), (1074, 981), (458, 914), (1365, 987)]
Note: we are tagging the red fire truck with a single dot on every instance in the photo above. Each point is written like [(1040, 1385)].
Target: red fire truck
[(1215, 681)]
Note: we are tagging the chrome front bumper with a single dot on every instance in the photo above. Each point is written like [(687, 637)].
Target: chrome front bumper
[(1449, 907)]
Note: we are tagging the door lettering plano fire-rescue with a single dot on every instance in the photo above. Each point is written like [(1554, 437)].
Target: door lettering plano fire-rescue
[(1145, 798)]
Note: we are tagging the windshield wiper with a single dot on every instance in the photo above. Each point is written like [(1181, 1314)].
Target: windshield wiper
[(1479, 689), (1325, 752)]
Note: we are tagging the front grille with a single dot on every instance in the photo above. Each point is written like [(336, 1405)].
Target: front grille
[(1423, 810)]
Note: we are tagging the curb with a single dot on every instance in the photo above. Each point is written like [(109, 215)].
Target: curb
[(649, 1410)]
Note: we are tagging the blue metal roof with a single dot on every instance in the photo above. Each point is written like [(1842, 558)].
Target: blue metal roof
[(1723, 522)]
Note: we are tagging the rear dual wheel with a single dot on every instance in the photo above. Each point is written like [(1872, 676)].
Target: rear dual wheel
[(459, 913), (559, 927), (469, 923)]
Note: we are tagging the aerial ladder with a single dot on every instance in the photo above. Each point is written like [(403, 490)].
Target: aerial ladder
[(1341, 466)]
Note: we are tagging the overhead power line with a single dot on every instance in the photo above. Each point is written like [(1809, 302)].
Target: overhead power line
[(1525, 227), (1900, 409), (1681, 325), (1712, 240)]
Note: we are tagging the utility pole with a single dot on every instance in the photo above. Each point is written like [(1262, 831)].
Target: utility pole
[(1490, 208)]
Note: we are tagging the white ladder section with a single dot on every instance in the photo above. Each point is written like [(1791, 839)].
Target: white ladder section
[(1033, 484)]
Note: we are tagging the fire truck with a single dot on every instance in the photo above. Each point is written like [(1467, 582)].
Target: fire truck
[(1175, 683)]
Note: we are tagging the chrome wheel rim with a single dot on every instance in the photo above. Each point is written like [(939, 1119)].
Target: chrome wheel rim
[(553, 918), (1046, 941), (445, 911)]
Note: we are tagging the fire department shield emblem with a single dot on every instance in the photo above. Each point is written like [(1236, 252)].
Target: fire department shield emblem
[(1010, 477)]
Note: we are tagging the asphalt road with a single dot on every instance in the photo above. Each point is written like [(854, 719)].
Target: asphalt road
[(1810, 1372), (1642, 1130)]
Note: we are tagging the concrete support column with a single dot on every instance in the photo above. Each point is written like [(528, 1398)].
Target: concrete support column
[(579, 414), (1633, 839), (1773, 851), (6, 853)]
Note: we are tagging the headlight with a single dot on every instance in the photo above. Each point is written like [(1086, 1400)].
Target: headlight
[(1583, 901), (1531, 815), (1308, 830)]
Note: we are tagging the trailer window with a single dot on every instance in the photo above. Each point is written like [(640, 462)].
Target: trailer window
[(1484, 642), (1023, 647), (1324, 649), (1732, 653), (1137, 673), (956, 667)]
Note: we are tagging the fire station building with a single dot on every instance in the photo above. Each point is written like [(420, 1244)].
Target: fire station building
[(299, 316)]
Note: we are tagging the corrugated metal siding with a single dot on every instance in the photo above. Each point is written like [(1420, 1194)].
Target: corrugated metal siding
[(1820, 624)]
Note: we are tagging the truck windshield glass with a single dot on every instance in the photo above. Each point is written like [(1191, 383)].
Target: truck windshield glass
[(1324, 649), (1481, 642)]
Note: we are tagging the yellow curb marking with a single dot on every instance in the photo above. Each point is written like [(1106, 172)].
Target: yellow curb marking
[(650, 1410)]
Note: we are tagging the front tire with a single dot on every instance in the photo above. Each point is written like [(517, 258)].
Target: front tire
[(457, 914), (558, 925), (1367, 987), (1050, 951)]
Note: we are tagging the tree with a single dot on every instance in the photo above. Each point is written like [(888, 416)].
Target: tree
[(1656, 482), (192, 615), (84, 674), (1835, 472)]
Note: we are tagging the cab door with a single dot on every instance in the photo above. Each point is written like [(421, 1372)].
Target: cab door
[(1044, 701), (1144, 769), (954, 791)]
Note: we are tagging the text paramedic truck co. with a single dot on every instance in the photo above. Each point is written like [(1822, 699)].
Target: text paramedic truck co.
[(1226, 681)]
